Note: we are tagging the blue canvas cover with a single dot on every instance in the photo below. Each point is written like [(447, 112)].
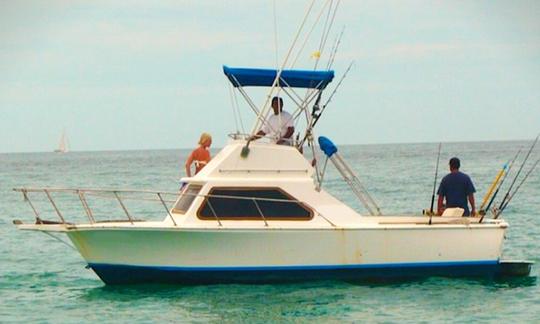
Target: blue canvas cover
[(327, 146), (244, 77)]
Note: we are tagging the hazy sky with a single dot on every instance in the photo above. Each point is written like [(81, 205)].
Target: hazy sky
[(148, 75)]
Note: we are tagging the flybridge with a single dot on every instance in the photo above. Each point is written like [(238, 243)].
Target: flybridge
[(286, 81), (245, 77)]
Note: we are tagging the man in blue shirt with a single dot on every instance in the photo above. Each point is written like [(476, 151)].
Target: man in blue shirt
[(456, 187)]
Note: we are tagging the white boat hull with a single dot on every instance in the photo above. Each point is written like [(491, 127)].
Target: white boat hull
[(269, 255)]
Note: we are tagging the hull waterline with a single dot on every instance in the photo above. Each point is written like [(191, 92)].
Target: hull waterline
[(127, 274)]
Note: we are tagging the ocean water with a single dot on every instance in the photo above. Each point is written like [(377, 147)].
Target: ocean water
[(43, 280)]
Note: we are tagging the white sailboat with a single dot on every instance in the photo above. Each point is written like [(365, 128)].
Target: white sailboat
[(63, 145)]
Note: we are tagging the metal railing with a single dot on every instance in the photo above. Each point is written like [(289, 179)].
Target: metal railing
[(100, 193), (264, 138), (120, 196)]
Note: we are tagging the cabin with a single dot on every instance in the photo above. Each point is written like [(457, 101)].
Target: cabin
[(273, 185)]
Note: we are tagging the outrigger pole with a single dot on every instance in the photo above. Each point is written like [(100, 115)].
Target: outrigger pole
[(434, 184), (504, 202)]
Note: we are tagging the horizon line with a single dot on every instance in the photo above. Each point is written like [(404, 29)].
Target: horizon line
[(221, 147)]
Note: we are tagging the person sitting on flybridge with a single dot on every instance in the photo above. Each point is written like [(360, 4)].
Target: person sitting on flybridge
[(456, 187), (279, 126)]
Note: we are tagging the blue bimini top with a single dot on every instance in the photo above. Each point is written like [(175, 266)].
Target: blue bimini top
[(244, 77)]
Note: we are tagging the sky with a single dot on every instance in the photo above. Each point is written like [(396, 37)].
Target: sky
[(127, 75)]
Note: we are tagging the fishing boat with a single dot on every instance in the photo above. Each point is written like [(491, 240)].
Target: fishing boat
[(258, 213), (62, 146)]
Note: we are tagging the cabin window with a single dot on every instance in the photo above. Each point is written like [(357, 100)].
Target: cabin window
[(249, 203), (186, 199)]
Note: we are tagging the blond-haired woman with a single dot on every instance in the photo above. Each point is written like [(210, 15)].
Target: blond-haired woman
[(200, 155)]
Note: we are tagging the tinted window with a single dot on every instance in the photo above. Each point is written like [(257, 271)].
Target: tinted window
[(244, 203), (186, 199)]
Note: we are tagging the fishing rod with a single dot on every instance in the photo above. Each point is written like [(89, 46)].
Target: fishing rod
[(316, 106), (337, 87), (517, 188), (314, 115), (328, 22), (483, 212), (245, 150), (434, 184), (492, 187), (335, 49), (316, 110), (517, 175)]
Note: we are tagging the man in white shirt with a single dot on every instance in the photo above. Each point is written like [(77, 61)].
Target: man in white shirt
[(279, 126)]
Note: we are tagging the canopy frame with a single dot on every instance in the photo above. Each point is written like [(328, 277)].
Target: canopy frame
[(284, 80), (288, 81)]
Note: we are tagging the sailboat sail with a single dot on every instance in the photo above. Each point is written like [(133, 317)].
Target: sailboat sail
[(62, 147)]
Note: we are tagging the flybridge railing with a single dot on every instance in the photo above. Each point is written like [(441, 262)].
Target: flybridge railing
[(122, 195), (245, 136)]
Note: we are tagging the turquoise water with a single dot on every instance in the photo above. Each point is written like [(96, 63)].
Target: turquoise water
[(43, 280)]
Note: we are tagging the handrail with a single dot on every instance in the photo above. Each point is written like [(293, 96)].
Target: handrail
[(260, 211), (81, 193), (123, 206), (214, 213), (75, 190), (115, 194), (86, 207), (239, 136), (54, 205), (166, 208), (26, 198), (246, 136), (112, 191)]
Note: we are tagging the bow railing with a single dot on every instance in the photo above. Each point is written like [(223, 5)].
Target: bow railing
[(82, 195)]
